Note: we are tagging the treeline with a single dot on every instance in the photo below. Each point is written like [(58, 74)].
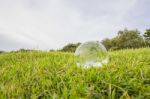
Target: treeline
[(127, 39), (124, 39), (20, 50), (70, 47)]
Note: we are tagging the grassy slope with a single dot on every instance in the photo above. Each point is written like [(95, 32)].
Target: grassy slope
[(55, 75)]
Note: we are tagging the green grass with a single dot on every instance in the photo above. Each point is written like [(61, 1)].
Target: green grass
[(54, 75)]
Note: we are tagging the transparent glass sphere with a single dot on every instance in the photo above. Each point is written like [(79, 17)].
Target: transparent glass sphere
[(91, 53)]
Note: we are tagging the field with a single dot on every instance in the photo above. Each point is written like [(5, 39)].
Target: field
[(54, 75)]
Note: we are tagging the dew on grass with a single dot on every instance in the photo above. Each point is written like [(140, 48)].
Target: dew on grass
[(91, 54)]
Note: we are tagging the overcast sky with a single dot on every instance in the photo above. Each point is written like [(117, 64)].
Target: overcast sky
[(51, 24)]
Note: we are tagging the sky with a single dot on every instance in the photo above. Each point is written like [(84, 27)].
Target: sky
[(51, 24)]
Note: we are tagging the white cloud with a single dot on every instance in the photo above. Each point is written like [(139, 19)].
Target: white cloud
[(46, 24)]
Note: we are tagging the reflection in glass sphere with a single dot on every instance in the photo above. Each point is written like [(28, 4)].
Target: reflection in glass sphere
[(91, 53)]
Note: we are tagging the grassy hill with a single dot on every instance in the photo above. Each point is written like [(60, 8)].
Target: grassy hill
[(55, 75)]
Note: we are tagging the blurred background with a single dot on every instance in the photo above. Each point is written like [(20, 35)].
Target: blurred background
[(64, 24)]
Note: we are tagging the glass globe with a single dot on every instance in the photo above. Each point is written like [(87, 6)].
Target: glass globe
[(91, 53)]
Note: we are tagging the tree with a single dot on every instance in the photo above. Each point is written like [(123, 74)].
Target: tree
[(107, 43), (129, 39), (70, 47), (147, 34), (125, 39), (1, 52), (110, 44), (51, 50)]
